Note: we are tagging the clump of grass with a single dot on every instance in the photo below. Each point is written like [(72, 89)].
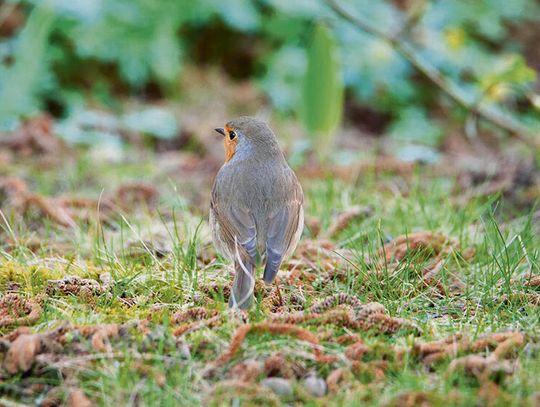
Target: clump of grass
[(155, 281)]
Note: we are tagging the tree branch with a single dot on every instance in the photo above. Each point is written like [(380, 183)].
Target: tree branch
[(515, 129)]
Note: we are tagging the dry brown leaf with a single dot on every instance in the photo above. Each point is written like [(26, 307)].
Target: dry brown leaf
[(22, 353), (100, 339), (77, 398)]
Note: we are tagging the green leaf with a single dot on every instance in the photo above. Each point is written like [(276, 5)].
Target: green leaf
[(20, 82), (166, 53), (139, 35), (322, 96), (239, 14), (413, 126), (153, 121), (298, 8), (283, 78)]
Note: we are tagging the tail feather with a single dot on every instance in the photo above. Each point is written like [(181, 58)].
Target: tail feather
[(243, 285), (273, 261)]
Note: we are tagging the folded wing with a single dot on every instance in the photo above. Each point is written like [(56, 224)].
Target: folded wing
[(284, 229)]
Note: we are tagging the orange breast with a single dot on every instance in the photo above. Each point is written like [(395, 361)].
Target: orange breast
[(230, 145)]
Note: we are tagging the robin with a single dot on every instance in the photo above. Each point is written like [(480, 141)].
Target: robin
[(256, 208)]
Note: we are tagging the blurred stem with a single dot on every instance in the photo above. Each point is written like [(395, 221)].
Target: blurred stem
[(400, 45), (322, 146)]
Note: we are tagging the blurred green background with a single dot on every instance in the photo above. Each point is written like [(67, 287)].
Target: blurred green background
[(68, 58)]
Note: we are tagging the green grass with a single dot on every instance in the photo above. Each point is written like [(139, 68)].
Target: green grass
[(158, 285)]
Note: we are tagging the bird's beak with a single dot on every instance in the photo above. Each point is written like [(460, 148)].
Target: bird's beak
[(220, 130)]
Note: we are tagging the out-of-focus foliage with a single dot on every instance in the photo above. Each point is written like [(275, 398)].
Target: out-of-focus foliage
[(97, 48), (323, 86), (21, 80)]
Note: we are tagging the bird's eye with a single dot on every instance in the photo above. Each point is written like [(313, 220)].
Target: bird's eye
[(232, 135)]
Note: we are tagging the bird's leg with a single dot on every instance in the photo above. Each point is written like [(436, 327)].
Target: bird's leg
[(278, 291), (239, 315)]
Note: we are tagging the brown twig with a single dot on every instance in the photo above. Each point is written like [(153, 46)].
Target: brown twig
[(407, 51), (276, 329)]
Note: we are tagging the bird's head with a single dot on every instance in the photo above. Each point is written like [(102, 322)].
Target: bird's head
[(247, 137)]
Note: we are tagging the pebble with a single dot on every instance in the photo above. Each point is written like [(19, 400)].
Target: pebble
[(315, 386), (282, 387)]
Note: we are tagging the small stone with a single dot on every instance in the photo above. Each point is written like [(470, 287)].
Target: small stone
[(106, 279), (183, 349), (282, 387), (315, 386)]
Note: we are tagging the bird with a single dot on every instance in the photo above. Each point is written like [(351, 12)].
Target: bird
[(256, 206)]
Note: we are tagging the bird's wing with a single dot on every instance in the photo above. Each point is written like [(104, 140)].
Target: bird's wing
[(284, 229), (235, 229)]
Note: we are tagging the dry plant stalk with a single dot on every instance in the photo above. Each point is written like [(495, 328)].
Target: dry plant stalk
[(196, 325), (193, 314), (381, 164), (522, 297), (276, 329), (337, 378), (334, 300), (356, 351), (64, 210), (361, 316), (34, 137), (21, 199), (344, 219), (246, 371), (432, 247), (501, 345), (348, 338), (253, 391), (403, 245)]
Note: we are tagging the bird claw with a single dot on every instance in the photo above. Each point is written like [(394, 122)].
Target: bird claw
[(239, 315)]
